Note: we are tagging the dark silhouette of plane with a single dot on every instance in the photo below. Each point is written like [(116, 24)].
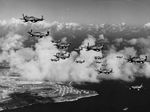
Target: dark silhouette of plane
[(104, 64), (105, 71), (98, 62), (62, 45), (138, 87), (98, 57), (4, 65), (56, 41), (62, 55), (55, 60), (94, 47), (78, 49), (79, 61), (131, 59), (31, 18), (38, 34), (119, 56)]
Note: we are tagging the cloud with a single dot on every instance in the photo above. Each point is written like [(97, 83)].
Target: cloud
[(36, 64), (133, 41), (128, 51)]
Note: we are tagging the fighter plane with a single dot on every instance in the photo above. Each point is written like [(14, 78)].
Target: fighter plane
[(98, 57), (119, 56), (98, 62), (62, 55), (56, 59), (79, 61), (131, 59), (38, 34), (62, 45), (105, 71), (94, 47), (104, 64), (138, 87), (31, 18), (56, 41), (78, 49)]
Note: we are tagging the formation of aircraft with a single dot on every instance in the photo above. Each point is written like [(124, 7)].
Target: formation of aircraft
[(32, 19), (62, 55), (38, 34), (63, 45), (94, 47), (105, 71), (131, 59)]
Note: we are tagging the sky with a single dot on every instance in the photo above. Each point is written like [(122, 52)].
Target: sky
[(79, 11)]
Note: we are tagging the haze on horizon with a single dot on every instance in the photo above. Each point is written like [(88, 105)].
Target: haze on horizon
[(80, 11)]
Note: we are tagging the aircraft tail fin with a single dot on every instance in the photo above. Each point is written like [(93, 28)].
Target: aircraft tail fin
[(145, 58), (42, 17), (47, 33), (88, 44), (70, 83), (23, 15), (68, 55), (30, 32)]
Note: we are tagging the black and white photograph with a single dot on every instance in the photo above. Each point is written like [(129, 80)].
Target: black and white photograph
[(74, 55)]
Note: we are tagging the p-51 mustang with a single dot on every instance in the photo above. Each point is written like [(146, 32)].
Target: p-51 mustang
[(94, 47), (56, 41), (62, 45), (55, 60), (31, 18), (62, 55), (119, 56), (79, 61), (98, 57), (104, 71), (78, 49), (131, 59), (138, 87), (38, 34)]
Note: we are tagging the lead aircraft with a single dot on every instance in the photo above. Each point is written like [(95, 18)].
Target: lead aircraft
[(32, 19)]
